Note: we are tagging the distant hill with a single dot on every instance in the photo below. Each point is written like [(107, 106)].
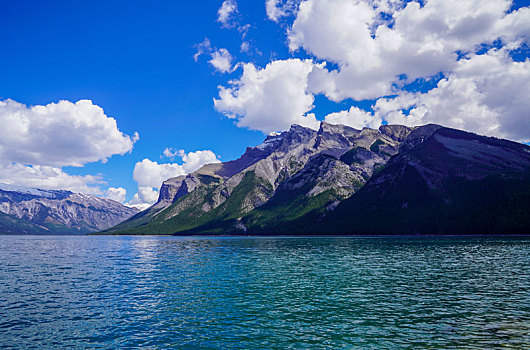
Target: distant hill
[(339, 180), (26, 210)]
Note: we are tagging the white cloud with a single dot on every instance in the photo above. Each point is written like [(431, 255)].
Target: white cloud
[(195, 160), (48, 177), (149, 174), (378, 46), (355, 117), (487, 94), (221, 60), (245, 46), (277, 9), (145, 197), (170, 153), (270, 99), (205, 47), (59, 134), (36, 142), (116, 194), (371, 54), (227, 16), (226, 12)]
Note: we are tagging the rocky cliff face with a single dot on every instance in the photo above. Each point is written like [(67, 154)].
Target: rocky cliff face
[(294, 182), (327, 165), (49, 211), (442, 182)]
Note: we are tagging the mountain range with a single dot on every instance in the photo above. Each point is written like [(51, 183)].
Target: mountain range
[(26, 210), (339, 180)]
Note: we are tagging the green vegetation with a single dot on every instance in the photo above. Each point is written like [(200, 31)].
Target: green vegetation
[(422, 190), (187, 214), (12, 225), (289, 205)]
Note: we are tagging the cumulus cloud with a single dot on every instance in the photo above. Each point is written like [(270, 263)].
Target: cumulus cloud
[(144, 198), (270, 99), (276, 9), (245, 46), (373, 54), (221, 60), (226, 13), (354, 117), (195, 160), (116, 194), (59, 134), (170, 153), (149, 175), (372, 49), (487, 94), (36, 142), (192, 160), (48, 177), (227, 16)]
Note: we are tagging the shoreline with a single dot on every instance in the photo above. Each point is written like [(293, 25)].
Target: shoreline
[(274, 236)]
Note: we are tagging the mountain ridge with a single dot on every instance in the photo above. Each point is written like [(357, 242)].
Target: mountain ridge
[(37, 211), (437, 187), (297, 181)]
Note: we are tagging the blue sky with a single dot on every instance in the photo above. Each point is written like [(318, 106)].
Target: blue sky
[(135, 60)]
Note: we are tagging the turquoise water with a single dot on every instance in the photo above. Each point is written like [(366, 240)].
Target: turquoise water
[(264, 293)]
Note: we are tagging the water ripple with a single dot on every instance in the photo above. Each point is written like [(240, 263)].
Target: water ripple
[(264, 293)]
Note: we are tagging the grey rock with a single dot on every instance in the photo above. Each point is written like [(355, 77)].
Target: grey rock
[(62, 211), (336, 159)]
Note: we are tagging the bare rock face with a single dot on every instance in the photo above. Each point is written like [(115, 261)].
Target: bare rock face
[(325, 165), (324, 173), (355, 181), (176, 187), (54, 211), (395, 132), (443, 181), (419, 134), (169, 189)]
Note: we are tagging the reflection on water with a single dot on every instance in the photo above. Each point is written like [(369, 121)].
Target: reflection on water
[(246, 293)]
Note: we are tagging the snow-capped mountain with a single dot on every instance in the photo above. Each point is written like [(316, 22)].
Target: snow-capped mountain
[(32, 210)]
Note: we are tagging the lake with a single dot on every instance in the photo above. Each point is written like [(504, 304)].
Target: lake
[(264, 293)]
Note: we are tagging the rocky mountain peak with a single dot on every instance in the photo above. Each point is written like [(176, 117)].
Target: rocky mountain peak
[(335, 139), (296, 136), (57, 211), (396, 132), (328, 128), (169, 188), (21, 193), (419, 134), (303, 176)]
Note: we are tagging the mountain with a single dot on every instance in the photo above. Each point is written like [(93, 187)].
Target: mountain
[(339, 180), (448, 182), (36, 211)]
